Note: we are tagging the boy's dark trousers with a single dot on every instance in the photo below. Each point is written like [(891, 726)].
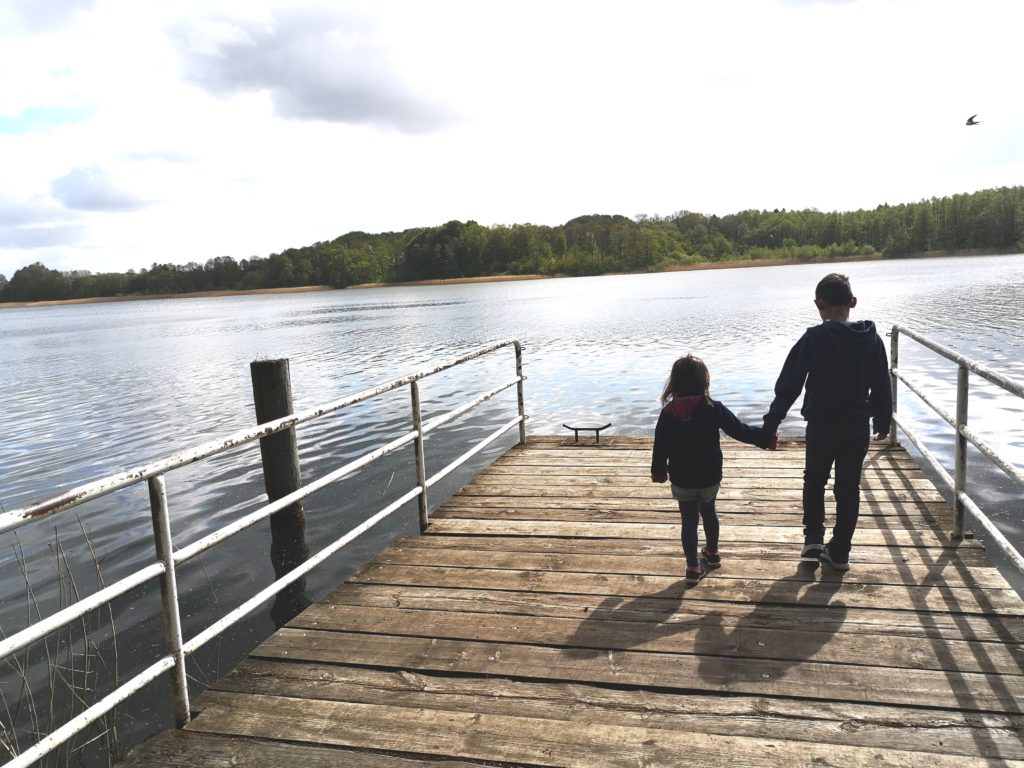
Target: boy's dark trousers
[(844, 446)]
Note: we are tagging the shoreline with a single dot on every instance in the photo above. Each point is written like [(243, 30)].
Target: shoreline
[(739, 264), (153, 296)]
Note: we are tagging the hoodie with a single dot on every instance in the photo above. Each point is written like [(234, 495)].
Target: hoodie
[(687, 440), (846, 370)]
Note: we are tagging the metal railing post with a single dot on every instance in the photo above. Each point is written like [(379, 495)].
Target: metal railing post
[(169, 597), (519, 393), (894, 348), (421, 464), (960, 458)]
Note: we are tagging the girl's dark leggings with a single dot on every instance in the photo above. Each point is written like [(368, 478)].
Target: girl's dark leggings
[(692, 512)]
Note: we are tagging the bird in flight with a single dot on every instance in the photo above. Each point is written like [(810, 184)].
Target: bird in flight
[(972, 121)]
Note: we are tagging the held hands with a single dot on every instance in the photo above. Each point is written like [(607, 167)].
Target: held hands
[(655, 478)]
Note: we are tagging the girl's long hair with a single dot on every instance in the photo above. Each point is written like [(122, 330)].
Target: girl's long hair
[(689, 377)]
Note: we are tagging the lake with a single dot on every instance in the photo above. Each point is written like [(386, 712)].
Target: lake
[(93, 389)]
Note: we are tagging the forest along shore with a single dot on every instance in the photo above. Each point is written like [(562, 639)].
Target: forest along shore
[(740, 264), (147, 297)]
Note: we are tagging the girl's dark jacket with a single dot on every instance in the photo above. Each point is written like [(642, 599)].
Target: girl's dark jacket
[(686, 440)]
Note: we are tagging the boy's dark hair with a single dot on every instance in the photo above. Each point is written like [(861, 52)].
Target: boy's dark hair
[(689, 377), (834, 289)]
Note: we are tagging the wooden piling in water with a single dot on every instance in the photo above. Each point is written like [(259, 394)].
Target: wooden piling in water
[(272, 396)]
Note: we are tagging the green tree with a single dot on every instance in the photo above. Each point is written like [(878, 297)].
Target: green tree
[(38, 283)]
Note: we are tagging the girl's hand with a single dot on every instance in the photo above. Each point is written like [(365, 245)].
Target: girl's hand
[(658, 478)]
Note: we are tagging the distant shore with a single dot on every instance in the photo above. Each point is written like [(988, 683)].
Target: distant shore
[(741, 264), (149, 297)]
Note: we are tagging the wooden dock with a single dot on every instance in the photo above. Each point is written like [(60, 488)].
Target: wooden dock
[(543, 621)]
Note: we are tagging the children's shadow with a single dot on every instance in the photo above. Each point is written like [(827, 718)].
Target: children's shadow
[(788, 625), (620, 623), (730, 645)]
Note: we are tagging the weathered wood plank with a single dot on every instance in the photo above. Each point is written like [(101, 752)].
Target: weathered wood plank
[(966, 556), (534, 741), (869, 480), (667, 504), (189, 749), (934, 598), (756, 489), (663, 608), (661, 671), (763, 533), (819, 722), (727, 518), (948, 573), (712, 635)]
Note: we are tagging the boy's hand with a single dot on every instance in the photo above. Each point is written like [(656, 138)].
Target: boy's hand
[(656, 478), (774, 442)]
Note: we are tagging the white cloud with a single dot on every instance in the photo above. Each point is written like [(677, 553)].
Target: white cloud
[(93, 189), (316, 64)]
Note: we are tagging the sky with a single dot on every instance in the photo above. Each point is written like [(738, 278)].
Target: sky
[(136, 131)]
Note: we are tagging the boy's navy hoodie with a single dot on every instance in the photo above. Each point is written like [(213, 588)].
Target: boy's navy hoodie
[(687, 440), (847, 374)]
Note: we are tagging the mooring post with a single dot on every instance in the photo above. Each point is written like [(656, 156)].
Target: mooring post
[(421, 464), (272, 396)]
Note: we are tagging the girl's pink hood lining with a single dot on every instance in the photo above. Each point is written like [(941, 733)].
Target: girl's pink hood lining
[(683, 407)]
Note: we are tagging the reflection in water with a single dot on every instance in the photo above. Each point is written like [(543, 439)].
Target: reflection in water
[(93, 389)]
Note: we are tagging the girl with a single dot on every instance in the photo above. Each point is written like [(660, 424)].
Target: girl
[(686, 441)]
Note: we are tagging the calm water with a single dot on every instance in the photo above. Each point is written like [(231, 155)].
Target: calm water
[(93, 389)]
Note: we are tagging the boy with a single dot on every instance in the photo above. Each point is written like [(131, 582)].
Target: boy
[(847, 373)]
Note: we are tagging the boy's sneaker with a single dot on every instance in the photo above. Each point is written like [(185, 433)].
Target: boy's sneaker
[(833, 560), (811, 553), (711, 560), (694, 575)]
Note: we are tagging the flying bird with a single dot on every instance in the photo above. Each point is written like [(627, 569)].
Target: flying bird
[(972, 121)]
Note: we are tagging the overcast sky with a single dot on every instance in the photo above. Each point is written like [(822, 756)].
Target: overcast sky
[(136, 131)]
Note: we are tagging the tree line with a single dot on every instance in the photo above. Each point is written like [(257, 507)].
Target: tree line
[(987, 221)]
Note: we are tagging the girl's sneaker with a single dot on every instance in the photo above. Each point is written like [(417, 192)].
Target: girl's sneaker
[(694, 575), (712, 560)]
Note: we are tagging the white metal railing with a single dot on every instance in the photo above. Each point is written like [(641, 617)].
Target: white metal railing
[(958, 482), (168, 558)]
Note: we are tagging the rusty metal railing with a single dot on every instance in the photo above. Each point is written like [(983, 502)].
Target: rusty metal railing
[(957, 483), (168, 558)]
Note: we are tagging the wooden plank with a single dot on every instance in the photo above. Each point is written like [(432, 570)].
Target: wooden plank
[(534, 741), (934, 598), (713, 635), (948, 573), (653, 491), (576, 480), (188, 749), (819, 722), (660, 671), (529, 466), (667, 504), (763, 533), (726, 518), (664, 609), (967, 556)]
